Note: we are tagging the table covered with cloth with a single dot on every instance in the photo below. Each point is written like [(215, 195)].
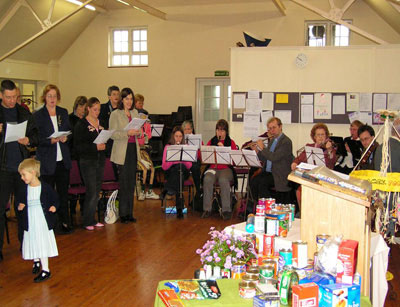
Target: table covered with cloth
[(229, 296)]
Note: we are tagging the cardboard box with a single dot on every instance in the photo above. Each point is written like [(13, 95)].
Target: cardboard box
[(305, 295), (346, 261), (169, 298), (339, 295)]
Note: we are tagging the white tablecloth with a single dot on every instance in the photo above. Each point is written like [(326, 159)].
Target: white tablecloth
[(379, 252)]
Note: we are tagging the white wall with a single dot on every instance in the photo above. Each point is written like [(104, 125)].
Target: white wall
[(351, 69)]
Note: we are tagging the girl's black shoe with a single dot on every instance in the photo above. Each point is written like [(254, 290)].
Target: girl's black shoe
[(42, 276), (36, 267)]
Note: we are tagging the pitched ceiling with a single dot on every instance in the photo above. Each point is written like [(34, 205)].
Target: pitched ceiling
[(51, 46)]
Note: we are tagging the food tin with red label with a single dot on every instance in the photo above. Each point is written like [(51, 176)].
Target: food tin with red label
[(299, 249), (268, 245), (247, 289)]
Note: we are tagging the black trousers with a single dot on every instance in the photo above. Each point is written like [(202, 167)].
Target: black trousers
[(196, 174), (60, 182), (92, 173), (10, 182), (173, 184), (127, 181)]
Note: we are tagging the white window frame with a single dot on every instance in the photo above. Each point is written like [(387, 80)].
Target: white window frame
[(329, 38), (130, 53)]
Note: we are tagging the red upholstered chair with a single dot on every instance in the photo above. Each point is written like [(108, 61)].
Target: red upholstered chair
[(76, 186), (109, 185)]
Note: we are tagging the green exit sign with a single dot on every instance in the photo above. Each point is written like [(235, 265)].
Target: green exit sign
[(221, 73)]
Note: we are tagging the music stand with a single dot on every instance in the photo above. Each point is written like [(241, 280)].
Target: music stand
[(181, 153), (156, 130), (315, 156), (193, 139)]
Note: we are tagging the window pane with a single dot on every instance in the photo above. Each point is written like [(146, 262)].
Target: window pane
[(143, 35), (125, 60), (136, 35), (144, 59), (215, 115), (211, 103), (135, 59), (212, 91), (143, 46), (136, 46), (117, 36), (124, 36), (117, 47), (116, 60)]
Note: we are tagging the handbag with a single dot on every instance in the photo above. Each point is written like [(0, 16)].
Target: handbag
[(112, 212)]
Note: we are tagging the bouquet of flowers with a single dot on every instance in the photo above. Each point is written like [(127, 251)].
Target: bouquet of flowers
[(224, 249)]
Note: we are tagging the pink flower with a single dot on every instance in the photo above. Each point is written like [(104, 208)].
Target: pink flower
[(199, 251), (217, 259)]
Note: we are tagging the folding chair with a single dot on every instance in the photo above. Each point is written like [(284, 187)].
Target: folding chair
[(76, 186), (188, 184), (109, 185)]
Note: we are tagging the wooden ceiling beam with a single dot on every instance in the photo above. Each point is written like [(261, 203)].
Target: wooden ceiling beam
[(335, 15), (279, 5), (10, 13), (139, 5)]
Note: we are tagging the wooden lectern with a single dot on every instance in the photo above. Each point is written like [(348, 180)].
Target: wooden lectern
[(327, 211)]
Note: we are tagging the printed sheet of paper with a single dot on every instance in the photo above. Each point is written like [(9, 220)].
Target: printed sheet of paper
[(174, 153), (307, 113), (251, 124), (194, 139), (251, 158), (253, 105), (237, 158), (282, 98), (376, 119), (315, 155), (393, 102), (135, 123), (379, 102), (207, 154), (307, 99), (253, 94), (59, 134), (365, 102), (103, 137), (339, 104), (366, 118), (322, 105), (284, 115), (189, 153), (239, 101), (267, 101), (353, 102), (265, 116), (354, 116), (14, 132), (222, 155), (156, 130)]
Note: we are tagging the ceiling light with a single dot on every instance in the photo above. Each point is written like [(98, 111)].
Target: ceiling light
[(89, 7), (123, 2)]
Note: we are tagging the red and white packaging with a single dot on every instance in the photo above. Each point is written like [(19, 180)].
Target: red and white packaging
[(346, 262), (268, 245), (305, 295)]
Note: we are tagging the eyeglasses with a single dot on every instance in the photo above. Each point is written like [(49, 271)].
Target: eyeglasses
[(51, 96)]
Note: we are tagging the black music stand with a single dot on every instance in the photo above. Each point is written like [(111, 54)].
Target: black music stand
[(315, 156), (181, 153)]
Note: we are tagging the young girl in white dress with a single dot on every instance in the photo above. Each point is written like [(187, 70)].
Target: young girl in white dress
[(37, 202)]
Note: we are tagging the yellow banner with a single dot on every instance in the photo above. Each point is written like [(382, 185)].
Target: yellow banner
[(390, 183)]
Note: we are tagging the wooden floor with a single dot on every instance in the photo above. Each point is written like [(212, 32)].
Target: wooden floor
[(121, 264)]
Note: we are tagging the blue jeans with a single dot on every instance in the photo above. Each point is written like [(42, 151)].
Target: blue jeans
[(92, 174)]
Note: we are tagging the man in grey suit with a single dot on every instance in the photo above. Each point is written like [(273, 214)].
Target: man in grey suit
[(394, 150), (278, 157)]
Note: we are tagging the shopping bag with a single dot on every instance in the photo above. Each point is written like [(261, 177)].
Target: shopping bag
[(112, 212)]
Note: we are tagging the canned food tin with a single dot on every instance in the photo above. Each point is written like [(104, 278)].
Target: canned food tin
[(259, 224), (304, 272), (247, 289), (253, 269), (269, 202), (267, 271), (262, 202), (293, 208), (255, 275), (253, 239), (250, 278), (299, 254), (271, 226), (238, 270), (268, 245), (272, 261), (320, 240), (226, 273), (288, 211), (260, 210)]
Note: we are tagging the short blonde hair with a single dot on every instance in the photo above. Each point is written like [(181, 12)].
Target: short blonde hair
[(139, 97), (30, 165)]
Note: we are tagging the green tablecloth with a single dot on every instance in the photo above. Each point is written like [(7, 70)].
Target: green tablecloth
[(229, 296)]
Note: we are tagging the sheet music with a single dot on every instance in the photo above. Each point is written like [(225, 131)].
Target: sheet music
[(103, 137), (315, 155), (156, 130), (135, 123), (222, 155), (14, 132), (207, 154), (251, 158), (189, 153), (59, 134), (174, 153), (237, 158), (194, 139)]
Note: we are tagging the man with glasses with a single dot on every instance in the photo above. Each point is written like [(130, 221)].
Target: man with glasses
[(366, 134), (12, 153), (278, 157)]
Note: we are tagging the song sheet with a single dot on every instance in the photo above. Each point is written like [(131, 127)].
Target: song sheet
[(251, 158), (59, 134), (237, 158), (222, 155), (189, 153), (315, 155), (14, 132), (103, 137), (194, 139), (135, 123), (156, 130), (207, 154), (174, 153)]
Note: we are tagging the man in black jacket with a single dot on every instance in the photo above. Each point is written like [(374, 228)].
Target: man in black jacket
[(12, 153)]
